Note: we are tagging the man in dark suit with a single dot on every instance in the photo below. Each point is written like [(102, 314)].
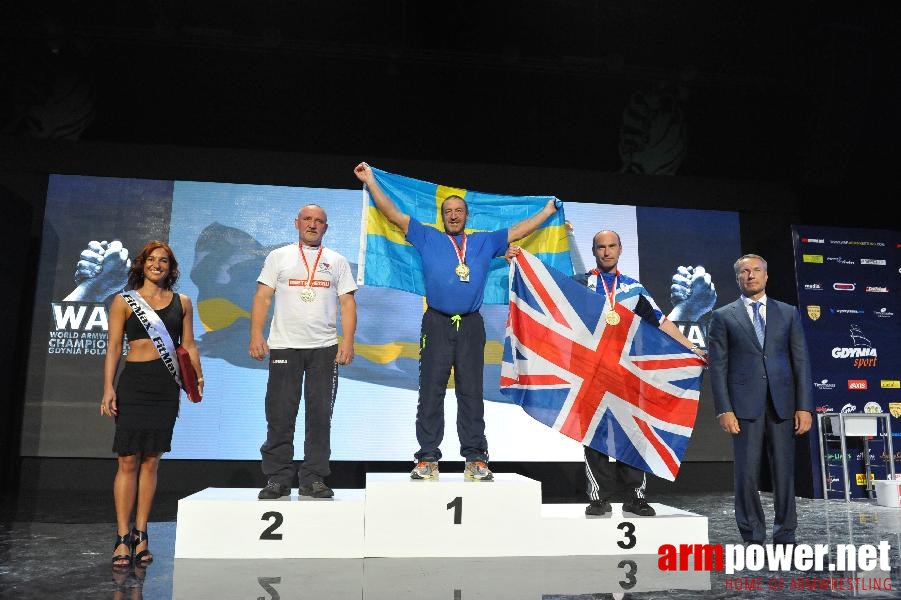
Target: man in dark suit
[(762, 389)]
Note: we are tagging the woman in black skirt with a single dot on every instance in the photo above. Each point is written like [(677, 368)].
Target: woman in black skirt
[(145, 400)]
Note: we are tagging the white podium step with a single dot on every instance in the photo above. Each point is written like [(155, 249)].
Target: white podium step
[(450, 516), (395, 517), (564, 529), (233, 523)]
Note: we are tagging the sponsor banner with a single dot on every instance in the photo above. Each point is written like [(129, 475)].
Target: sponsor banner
[(845, 288)]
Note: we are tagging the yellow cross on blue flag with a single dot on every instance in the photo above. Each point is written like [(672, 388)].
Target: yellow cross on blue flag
[(388, 260)]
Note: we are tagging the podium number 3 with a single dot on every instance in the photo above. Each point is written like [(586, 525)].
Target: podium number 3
[(628, 530), (457, 505)]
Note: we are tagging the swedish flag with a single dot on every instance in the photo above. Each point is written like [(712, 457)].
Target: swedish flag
[(388, 260)]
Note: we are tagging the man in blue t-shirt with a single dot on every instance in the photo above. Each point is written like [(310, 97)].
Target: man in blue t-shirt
[(455, 267)]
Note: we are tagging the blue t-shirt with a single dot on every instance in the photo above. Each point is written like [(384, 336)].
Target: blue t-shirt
[(443, 289)]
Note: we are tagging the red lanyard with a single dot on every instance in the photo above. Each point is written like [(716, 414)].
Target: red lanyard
[(307, 266), (611, 297), (461, 254)]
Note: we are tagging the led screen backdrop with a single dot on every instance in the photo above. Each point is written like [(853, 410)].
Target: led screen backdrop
[(220, 234)]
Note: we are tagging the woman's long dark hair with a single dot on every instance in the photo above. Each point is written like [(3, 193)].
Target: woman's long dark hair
[(136, 273)]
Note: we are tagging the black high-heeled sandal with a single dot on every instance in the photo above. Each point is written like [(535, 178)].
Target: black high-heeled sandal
[(123, 561), (144, 557)]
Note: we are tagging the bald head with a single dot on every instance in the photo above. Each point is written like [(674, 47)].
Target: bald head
[(606, 247)]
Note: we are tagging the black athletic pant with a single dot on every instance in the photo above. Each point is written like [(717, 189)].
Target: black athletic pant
[(451, 341), (289, 369)]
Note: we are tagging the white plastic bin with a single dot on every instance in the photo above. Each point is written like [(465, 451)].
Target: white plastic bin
[(888, 492)]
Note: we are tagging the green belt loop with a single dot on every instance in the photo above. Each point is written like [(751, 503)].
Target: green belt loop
[(455, 319)]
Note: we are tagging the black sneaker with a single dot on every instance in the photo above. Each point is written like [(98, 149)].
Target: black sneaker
[(274, 491), (638, 506), (317, 489), (598, 508)]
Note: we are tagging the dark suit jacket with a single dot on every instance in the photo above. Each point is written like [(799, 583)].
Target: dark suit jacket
[(741, 372)]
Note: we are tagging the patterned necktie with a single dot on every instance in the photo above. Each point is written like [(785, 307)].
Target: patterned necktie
[(759, 327)]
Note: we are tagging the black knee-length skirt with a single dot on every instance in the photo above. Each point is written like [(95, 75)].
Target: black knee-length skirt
[(147, 398)]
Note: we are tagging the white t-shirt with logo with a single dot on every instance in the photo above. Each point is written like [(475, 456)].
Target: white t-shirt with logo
[(300, 324)]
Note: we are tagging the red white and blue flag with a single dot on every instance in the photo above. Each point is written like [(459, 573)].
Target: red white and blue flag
[(627, 390)]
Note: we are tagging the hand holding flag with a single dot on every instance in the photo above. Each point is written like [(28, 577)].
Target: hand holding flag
[(388, 260), (627, 389)]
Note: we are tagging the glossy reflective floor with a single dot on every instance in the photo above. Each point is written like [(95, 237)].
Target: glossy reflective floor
[(55, 546)]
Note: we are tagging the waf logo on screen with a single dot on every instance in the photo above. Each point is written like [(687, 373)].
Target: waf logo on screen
[(861, 351)]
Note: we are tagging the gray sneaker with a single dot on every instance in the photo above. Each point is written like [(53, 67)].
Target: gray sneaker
[(274, 491), (477, 470), (425, 469), (317, 489)]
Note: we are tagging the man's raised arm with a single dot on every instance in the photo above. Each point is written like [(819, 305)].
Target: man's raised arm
[(382, 202), (529, 226)]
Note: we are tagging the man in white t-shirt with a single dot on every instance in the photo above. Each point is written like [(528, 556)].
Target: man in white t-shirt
[(310, 284)]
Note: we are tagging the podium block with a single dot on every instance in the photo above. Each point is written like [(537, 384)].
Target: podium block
[(450, 516), (232, 523), (396, 517), (564, 529)]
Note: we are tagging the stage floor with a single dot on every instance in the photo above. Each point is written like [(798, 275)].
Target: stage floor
[(58, 546)]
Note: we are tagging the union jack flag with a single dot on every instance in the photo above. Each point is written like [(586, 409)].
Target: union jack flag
[(627, 390)]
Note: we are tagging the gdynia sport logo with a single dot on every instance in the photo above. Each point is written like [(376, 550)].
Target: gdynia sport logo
[(818, 561)]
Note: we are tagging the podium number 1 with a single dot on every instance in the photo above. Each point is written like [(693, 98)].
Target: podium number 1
[(457, 505)]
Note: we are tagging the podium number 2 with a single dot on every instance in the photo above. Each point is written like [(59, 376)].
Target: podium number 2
[(269, 532), (457, 505)]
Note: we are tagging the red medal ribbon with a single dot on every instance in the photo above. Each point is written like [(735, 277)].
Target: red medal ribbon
[(307, 266), (611, 297), (461, 254)]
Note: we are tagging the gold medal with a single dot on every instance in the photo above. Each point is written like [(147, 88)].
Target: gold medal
[(308, 294), (462, 270), (611, 317)]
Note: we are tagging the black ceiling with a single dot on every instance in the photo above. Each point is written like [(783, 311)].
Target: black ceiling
[(795, 91)]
